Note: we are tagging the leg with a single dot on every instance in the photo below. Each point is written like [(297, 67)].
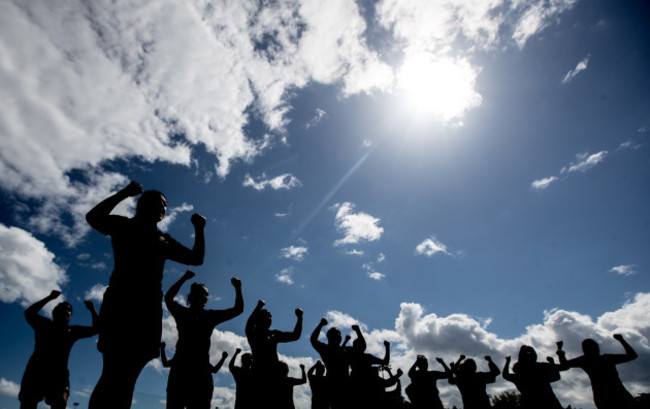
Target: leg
[(114, 390)]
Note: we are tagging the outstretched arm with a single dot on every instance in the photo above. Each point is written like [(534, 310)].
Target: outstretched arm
[(630, 353), (173, 290), (215, 368), (98, 216), (31, 313), (231, 364)]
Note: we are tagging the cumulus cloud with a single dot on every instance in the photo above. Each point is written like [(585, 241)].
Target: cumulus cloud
[(172, 214), (9, 388), (376, 276), (541, 184), (96, 292), (624, 270), (431, 246), (28, 270), (285, 181), (296, 253), (285, 276), (581, 66), (356, 227)]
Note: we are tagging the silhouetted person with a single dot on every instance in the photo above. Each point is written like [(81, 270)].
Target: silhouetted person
[(264, 346), (46, 375), (390, 399), (472, 384), (607, 388), (423, 392), (243, 379), (533, 380), (285, 387), (364, 377), (318, 385), (190, 384), (130, 318), (167, 363), (335, 358)]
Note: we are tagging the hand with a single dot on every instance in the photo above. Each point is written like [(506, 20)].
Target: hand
[(260, 304), (236, 282), (550, 360), (618, 337), (54, 294), (386, 344), (508, 359), (440, 360), (298, 313), (356, 328), (237, 351), (399, 372), (302, 367), (323, 322), (188, 275), (224, 354), (462, 357), (488, 358), (132, 189), (198, 221), (89, 304)]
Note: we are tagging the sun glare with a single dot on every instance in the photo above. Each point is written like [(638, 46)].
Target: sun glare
[(438, 86)]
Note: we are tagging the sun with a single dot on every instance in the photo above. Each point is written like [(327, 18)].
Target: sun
[(438, 86)]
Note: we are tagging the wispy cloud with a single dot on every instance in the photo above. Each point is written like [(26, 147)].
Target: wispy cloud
[(356, 227), (543, 183), (320, 114), (581, 66), (624, 270), (585, 162), (285, 275), (172, 214), (96, 293), (432, 246), (355, 252), (285, 181), (296, 253)]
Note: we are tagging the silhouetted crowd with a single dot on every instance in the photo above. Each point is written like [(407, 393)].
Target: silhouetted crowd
[(129, 325)]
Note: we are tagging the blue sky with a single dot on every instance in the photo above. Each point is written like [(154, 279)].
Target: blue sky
[(454, 176)]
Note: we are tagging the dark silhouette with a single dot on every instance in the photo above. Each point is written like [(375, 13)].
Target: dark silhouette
[(46, 375), (130, 318), (471, 384), (607, 388), (422, 392), (244, 380), (167, 363), (335, 358), (264, 347), (285, 386), (190, 384), (533, 379), (318, 385)]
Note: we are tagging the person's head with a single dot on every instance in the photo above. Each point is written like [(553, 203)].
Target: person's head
[(421, 362), (151, 206), (334, 336), (198, 296), (467, 367), (590, 347), (62, 312), (264, 319), (527, 354), (358, 345), (247, 360), (320, 368)]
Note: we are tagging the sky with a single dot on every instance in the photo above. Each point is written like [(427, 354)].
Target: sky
[(455, 176)]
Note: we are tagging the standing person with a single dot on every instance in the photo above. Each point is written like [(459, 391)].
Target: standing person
[(367, 389), (422, 391), (472, 384), (317, 383), (533, 380), (335, 358), (285, 387), (46, 375), (130, 318), (607, 388), (243, 379), (190, 383)]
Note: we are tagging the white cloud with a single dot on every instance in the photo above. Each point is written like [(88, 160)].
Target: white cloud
[(285, 181), (624, 270), (581, 66), (355, 252), (28, 270), (381, 258), (376, 276), (172, 214), (357, 227), (585, 162), (9, 388), (431, 246), (541, 184), (536, 17), (320, 114), (96, 293), (296, 253), (285, 276)]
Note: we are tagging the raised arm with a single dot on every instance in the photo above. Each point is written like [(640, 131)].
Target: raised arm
[(82, 331), (303, 379), (506, 370), (413, 370), (297, 330), (173, 290), (447, 370), (237, 309), (314, 334), (193, 257), (98, 216), (163, 356), (386, 359), (231, 364), (630, 353), (215, 368), (360, 338), (31, 313), (250, 323), (494, 369)]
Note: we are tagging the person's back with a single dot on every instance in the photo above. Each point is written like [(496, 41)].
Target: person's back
[(472, 385)]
